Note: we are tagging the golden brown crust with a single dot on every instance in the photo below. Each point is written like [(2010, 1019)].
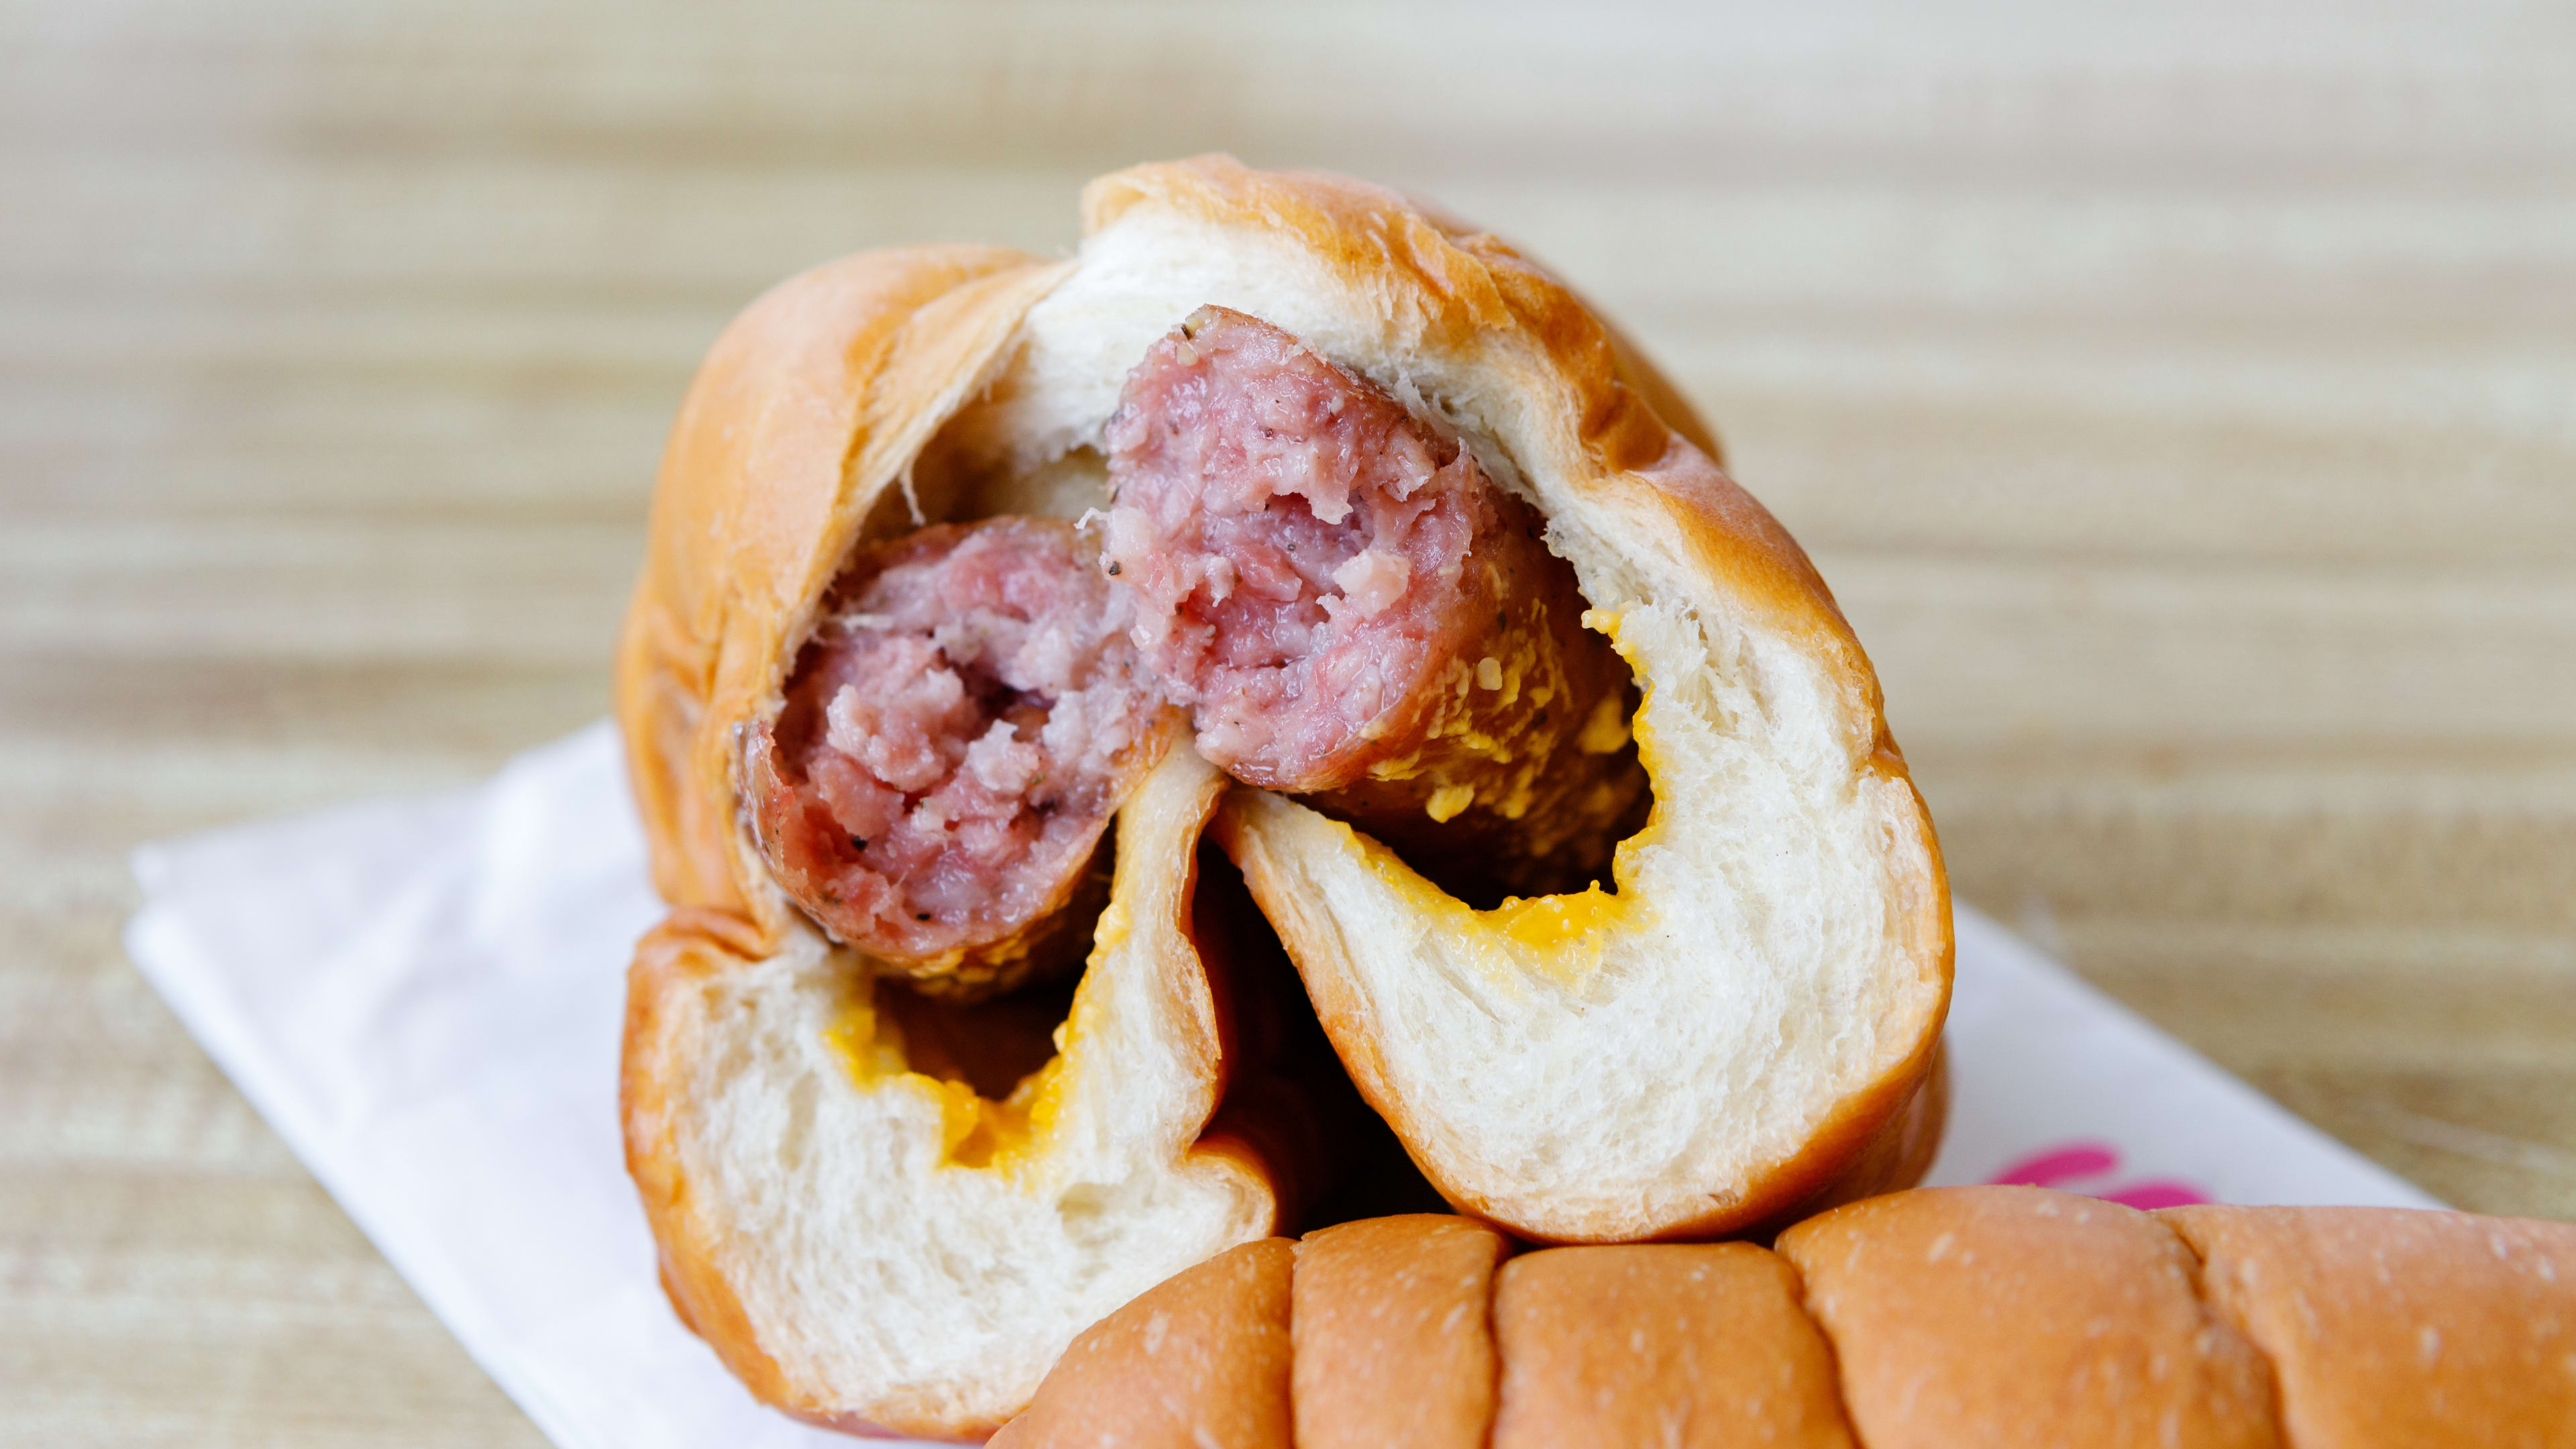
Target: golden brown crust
[(1393, 1335), (1663, 1344), (2002, 1316), (1944, 1317), (2399, 1327), (1200, 1360)]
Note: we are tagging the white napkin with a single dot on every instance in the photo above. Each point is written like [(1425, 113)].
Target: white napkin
[(423, 997)]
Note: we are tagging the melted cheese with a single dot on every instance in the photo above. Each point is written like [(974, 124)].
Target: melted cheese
[(1559, 937), (975, 1132)]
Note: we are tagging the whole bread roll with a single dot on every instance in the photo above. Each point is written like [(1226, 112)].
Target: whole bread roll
[(1984, 1316)]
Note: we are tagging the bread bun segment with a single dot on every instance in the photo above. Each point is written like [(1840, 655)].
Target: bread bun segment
[(1394, 1335), (1201, 1360), (1714, 1042), (2400, 1327), (2002, 1315), (863, 1236), (1677, 1345), (1941, 1317)]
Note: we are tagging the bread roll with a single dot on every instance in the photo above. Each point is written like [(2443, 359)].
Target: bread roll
[(878, 1209), (1972, 1316), (1199, 1361), (882, 1207), (1715, 1040)]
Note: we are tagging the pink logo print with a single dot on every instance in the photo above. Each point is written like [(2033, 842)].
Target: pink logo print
[(2064, 1166)]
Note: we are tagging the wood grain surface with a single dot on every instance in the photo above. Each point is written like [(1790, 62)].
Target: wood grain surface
[(2182, 403)]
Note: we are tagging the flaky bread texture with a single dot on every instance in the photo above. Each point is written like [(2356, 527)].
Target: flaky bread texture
[(858, 1234), (1998, 1317), (1714, 1043)]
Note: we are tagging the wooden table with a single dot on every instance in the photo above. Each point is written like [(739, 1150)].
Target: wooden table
[(2184, 409)]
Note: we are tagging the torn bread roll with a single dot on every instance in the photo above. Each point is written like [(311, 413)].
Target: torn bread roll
[(1729, 1025), (889, 1188), (2004, 1317), (882, 1208)]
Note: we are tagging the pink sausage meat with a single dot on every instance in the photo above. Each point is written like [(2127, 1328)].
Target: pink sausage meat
[(1288, 544), (1352, 609), (955, 736)]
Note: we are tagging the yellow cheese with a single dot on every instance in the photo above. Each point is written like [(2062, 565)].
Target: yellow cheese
[(1558, 937), (975, 1131)]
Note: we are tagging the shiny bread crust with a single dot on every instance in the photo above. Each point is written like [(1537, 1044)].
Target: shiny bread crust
[(797, 441), (1994, 1316), (1946, 1306), (1687, 1345), (1393, 1332), (1200, 1359), (2413, 1328)]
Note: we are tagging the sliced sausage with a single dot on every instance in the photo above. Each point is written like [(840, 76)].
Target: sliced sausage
[(956, 733), (1353, 610)]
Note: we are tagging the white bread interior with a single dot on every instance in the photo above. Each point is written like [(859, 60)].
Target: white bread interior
[(882, 1279), (1766, 987)]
